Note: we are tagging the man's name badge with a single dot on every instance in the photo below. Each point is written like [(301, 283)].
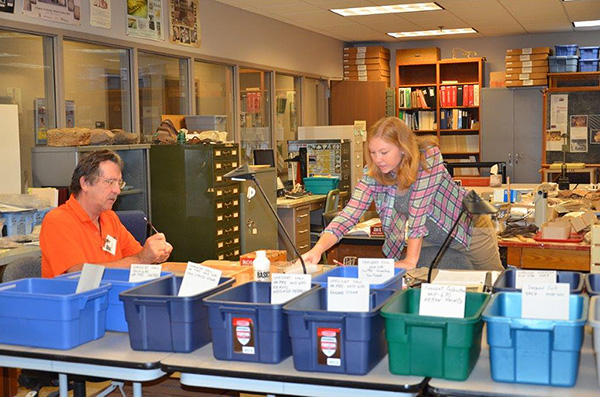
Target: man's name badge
[(110, 244)]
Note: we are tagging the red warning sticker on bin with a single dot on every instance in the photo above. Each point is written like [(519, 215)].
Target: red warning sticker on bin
[(328, 347), (243, 335)]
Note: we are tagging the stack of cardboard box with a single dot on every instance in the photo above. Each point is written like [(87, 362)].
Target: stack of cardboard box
[(367, 64), (527, 66)]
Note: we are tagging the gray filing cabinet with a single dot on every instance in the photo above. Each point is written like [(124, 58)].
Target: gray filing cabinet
[(258, 226), (53, 167)]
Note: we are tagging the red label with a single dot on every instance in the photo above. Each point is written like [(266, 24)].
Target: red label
[(243, 335), (329, 346)]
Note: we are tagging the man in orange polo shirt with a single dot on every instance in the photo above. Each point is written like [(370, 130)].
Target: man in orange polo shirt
[(86, 230)]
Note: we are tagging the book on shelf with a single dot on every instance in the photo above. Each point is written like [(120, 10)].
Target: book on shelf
[(371, 227)]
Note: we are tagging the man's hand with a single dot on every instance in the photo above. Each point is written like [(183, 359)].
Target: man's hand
[(156, 249)]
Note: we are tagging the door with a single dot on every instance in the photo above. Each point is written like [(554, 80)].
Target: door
[(511, 125)]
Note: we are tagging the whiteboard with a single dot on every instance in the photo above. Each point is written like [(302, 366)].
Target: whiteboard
[(10, 153)]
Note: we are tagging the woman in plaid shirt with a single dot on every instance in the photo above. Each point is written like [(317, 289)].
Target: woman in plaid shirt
[(416, 199)]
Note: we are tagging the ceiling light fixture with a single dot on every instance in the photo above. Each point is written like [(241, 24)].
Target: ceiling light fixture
[(437, 32), (587, 24), (391, 9)]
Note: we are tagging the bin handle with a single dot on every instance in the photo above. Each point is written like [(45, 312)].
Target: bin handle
[(138, 302), (325, 318), (234, 310)]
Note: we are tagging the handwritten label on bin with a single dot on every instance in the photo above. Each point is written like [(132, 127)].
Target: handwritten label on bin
[(287, 286), (375, 270), (197, 279), (347, 295), (523, 277), (90, 278), (443, 300), (139, 273), (545, 301)]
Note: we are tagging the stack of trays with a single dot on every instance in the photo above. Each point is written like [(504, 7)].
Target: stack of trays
[(527, 66), (367, 64)]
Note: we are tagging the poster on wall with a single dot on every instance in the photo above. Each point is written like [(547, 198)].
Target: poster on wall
[(579, 134), (63, 11), (41, 120), (185, 24), (70, 113), (144, 19), (100, 13), (7, 6)]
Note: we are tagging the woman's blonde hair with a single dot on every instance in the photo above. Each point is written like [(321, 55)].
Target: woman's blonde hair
[(395, 131)]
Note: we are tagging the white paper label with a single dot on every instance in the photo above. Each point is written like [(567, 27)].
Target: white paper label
[(287, 286), (139, 273), (523, 277), (525, 57), (197, 279), (375, 270), (545, 301), (527, 50), (527, 82), (347, 295), (442, 300), (90, 278), (527, 64), (527, 70)]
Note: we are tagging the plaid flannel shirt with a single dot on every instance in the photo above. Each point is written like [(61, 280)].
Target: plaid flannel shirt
[(435, 196)]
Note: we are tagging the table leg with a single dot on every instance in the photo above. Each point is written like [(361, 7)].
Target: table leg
[(63, 385), (137, 389)]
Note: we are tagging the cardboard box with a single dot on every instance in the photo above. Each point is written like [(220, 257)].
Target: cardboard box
[(372, 74), (529, 50), (526, 76), (374, 66), (526, 83), (272, 255), (366, 49), (370, 52), (526, 64), (497, 79), (411, 56), (581, 219), (365, 78), (534, 69), (556, 230), (522, 58)]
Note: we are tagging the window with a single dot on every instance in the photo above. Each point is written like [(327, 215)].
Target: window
[(213, 85), (286, 116), (27, 79), (97, 86), (255, 114), (163, 87)]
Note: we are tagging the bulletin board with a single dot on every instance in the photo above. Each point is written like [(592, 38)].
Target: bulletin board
[(583, 112)]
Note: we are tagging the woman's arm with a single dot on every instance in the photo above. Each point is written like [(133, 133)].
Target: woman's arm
[(413, 251)]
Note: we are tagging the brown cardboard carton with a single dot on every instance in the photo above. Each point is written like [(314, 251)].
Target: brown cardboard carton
[(526, 64), (374, 66), (522, 58), (530, 69), (272, 255), (529, 50), (526, 83), (581, 219), (411, 56), (369, 73), (526, 76), (497, 79), (556, 230)]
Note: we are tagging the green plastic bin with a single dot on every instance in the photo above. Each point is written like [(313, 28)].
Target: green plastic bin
[(436, 347)]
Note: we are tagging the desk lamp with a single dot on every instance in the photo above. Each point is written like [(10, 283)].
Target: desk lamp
[(472, 204), (243, 173), (563, 179)]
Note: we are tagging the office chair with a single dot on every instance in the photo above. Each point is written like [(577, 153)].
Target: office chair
[(135, 222), (27, 267), (326, 218)]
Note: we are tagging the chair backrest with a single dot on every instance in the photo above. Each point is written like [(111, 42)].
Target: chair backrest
[(136, 224), (29, 266), (332, 200), (328, 217)]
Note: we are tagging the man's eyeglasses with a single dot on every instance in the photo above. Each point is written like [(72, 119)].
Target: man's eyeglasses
[(112, 182)]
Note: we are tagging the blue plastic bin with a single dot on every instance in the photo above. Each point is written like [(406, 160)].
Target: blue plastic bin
[(118, 279), (39, 214), (160, 320), (535, 351), (589, 52), (594, 321), (567, 49), (507, 280), (352, 272), (18, 223), (588, 65), (321, 184), (592, 284), (48, 313), (245, 325), (562, 64), (339, 342)]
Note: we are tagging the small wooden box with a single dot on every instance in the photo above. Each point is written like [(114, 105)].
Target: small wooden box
[(412, 56)]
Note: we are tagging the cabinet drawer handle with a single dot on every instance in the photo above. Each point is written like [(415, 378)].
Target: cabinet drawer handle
[(302, 231), (303, 246), (302, 216)]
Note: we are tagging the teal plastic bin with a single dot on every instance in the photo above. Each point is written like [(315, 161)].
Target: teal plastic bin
[(321, 184), (544, 352), (437, 347)]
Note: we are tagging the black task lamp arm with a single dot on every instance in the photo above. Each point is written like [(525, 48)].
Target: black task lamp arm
[(444, 246), (260, 189)]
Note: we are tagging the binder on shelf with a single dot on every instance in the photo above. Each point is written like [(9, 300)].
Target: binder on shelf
[(476, 95), (466, 95), (459, 95)]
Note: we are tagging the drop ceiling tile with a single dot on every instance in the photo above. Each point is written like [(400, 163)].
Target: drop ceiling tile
[(289, 9), (583, 10), (326, 5)]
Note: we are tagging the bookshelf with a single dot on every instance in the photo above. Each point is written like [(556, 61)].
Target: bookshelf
[(442, 98)]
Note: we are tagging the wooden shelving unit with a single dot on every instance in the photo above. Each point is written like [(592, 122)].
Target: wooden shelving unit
[(457, 144)]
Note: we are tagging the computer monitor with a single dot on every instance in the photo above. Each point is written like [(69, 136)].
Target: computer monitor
[(264, 157)]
